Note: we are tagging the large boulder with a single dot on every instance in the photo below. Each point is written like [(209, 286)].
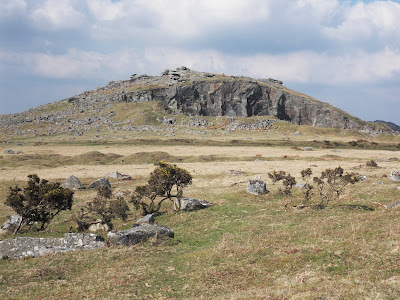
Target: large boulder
[(189, 204), (73, 183), (256, 187), (27, 246), (394, 175), (99, 183), (139, 233)]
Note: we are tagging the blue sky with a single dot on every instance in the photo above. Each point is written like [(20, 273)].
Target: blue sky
[(346, 53)]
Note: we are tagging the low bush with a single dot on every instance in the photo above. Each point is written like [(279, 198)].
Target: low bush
[(163, 180), (38, 202), (104, 207), (325, 188)]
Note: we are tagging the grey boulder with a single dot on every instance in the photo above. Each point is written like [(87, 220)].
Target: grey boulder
[(139, 233), (73, 183), (256, 187), (9, 151), (394, 176), (99, 183), (119, 176), (189, 204), (10, 225)]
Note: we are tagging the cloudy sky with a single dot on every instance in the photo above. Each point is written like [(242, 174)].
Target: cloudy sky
[(346, 53)]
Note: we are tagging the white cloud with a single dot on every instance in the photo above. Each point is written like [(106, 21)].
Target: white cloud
[(12, 7), (368, 21), (60, 14), (301, 67)]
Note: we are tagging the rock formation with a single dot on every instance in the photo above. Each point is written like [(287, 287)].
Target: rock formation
[(183, 91)]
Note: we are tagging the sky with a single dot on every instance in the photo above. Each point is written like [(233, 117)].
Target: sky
[(346, 53)]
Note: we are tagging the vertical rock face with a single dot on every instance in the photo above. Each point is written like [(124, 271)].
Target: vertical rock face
[(246, 98)]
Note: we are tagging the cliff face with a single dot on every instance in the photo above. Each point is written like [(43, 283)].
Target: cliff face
[(246, 98)]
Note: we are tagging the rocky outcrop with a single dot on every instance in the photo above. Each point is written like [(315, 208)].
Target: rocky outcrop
[(139, 233), (27, 246), (190, 204), (257, 187), (102, 182), (183, 91), (73, 183)]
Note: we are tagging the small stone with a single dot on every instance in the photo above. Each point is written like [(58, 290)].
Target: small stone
[(300, 186), (9, 151), (394, 176), (146, 219), (362, 178), (308, 149)]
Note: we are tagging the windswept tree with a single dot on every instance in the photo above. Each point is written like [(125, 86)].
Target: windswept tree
[(166, 182), (38, 202)]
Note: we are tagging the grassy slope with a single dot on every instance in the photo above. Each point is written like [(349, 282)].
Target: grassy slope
[(244, 247)]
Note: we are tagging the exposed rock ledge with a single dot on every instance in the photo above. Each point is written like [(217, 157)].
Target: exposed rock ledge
[(27, 246)]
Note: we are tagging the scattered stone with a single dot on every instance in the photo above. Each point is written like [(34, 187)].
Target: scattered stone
[(19, 152), (362, 178), (378, 183), (146, 219), (10, 225), (300, 186), (394, 175), (256, 187), (27, 246), (119, 176), (258, 176), (393, 205), (125, 177), (167, 120), (114, 174), (308, 149), (120, 195), (99, 226), (234, 172), (99, 182), (139, 233), (9, 151), (297, 133), (73, 183), (190, 204)]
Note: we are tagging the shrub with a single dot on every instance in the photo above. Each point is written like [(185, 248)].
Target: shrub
[(163, 180), (38, 202), (329, 186), (103, 207)]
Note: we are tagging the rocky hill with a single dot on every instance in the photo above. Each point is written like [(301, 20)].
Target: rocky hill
[(188, 92), (392, 125)]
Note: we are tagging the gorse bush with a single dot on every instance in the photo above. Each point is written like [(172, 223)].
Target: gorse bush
[(103, 207), (166, 182), (325, 188), (38, 202)]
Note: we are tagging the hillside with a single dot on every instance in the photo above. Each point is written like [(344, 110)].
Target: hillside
[(179, 92)]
